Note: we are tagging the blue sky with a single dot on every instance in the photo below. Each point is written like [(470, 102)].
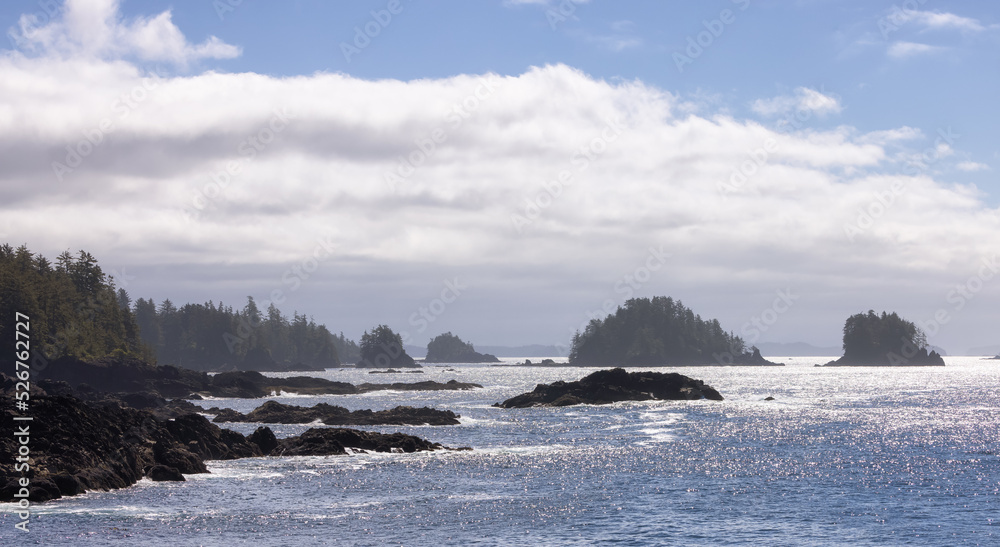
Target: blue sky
[(892, 111)]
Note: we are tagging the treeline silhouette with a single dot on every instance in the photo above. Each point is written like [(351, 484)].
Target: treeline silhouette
[(72, 306), (870, 338), (213, 337), (657, 331), (76, 310)]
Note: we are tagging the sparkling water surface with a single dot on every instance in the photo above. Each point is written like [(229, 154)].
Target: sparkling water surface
[(866, 456)]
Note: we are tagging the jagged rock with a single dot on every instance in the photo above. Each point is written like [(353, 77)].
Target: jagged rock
[(610, 386), (264, 438), (160, 472), (101, 445)]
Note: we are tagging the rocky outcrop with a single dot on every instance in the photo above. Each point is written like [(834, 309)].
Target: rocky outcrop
[(429, 385), (611, 386), (273, 412), (77, 446), (156, 383), (330, 441), (125, 374)]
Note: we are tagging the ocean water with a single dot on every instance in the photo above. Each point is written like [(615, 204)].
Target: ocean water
[(861, 456)]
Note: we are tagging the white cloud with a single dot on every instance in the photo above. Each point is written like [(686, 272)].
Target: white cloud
[(972, 166), (668, 179), (803, 99), (902, 50), (94, 28), (939, 21), (888, 136)]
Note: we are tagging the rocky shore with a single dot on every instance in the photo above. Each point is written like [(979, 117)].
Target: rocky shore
[(78, 446), (85, 439), (611, 386)]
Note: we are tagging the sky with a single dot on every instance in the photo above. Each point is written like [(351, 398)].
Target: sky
[(508, 169)]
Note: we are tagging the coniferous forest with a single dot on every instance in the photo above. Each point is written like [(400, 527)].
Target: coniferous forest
[(76, 310), (657, 331)]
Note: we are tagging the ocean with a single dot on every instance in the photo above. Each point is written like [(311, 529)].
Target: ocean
[(860, 456)]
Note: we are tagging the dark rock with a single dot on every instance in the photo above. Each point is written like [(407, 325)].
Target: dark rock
[(264, 438), (226, 415), (427, 385), (101, 445), (205, 439), (77, 445), (161, 472), (769, 398), (332, 441), (125, 374), (276, 413), (914, 358), (69, 485), (144, 386), (610, 386), (244, 384)]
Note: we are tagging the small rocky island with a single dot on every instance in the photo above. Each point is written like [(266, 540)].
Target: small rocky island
[(612, 386), (659, 332), (884, 340), (383, 348), (448, 348), (273, 412)]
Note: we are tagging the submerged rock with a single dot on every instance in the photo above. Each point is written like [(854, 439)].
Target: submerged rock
[(611, 386)]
